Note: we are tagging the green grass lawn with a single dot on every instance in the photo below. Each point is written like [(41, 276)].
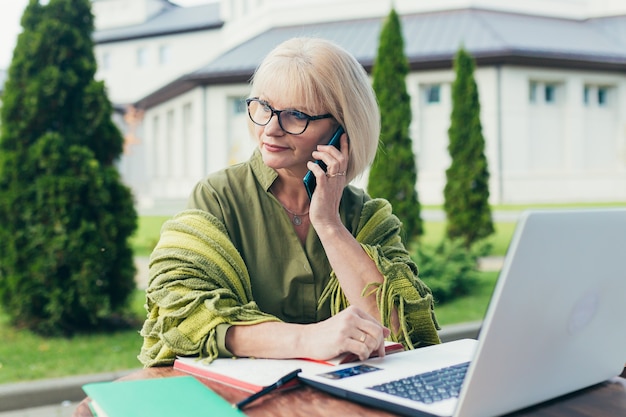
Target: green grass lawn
[(26, 356), (147, 234)]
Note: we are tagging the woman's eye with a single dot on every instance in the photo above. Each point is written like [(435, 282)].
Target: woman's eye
[(297, 115)]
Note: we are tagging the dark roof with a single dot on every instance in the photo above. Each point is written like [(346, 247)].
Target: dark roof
[(171, 20), (431, 40)]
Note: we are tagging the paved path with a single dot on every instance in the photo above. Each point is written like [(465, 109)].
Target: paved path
[(64, 409), (497, 216), (141, 277)]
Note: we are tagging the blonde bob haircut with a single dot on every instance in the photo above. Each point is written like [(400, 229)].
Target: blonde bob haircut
[(322, 77)]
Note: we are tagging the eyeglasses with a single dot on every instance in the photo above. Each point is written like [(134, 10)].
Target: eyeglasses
[(291, 121)]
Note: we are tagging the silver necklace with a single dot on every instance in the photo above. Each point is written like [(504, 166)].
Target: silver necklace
[(297, 218)]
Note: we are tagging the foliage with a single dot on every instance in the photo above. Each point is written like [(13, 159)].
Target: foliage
[(469, 308), (450, 268), (466, 193), (394, 174), (65, 216)]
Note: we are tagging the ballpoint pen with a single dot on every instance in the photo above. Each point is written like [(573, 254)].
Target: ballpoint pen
[(282, 381)]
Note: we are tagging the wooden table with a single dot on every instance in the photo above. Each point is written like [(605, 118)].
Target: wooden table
[(606, 399)]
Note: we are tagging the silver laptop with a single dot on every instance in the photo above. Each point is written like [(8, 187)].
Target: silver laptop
[(555, 324)]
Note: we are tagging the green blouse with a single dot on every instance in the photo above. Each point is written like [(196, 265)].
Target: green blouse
[(287, 279)]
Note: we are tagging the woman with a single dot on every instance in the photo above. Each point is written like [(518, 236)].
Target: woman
[(257, 268)]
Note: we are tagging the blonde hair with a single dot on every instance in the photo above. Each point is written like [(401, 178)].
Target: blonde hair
[(326, 79)]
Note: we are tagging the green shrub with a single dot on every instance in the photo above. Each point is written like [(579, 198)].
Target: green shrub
[(466, 192), (393, 174), (65, 216), (449, 268)]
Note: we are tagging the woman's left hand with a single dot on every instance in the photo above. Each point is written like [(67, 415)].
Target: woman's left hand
[(350, 331), (330, 184)]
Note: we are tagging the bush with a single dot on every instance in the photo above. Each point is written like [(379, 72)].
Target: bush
[(393, 174), (449, 268), (67, 265), (65, 216), (466, 192)]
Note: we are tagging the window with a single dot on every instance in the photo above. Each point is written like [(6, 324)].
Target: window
[(239, 106), (186, 139), (156, 146), (544, 92), (165, 54), (142, 57), (550, 93), (603, 93), (432, 93), (106, 60), (597, 95), (170, 130), (532, 92)]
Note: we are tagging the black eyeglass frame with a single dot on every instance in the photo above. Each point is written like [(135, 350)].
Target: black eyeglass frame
[(278, 113)]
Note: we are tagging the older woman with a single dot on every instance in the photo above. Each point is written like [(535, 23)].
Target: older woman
[(255, 267)]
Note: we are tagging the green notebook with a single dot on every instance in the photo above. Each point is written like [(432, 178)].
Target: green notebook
[(166, 397)]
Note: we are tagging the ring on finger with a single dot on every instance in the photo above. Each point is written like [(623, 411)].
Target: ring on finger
[(338, 174), (363, 337)]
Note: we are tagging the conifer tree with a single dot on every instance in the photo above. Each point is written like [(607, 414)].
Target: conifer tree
[(466, 192), (393, 175), (65, 216)]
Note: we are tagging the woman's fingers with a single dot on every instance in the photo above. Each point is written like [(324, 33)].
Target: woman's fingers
[(370, 334), (352, 330), (336, 160)]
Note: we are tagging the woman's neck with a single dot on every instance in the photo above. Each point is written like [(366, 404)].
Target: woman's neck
[(296, 205), (291, 194)]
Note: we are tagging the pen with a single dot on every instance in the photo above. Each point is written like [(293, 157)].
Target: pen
[(282, 381)]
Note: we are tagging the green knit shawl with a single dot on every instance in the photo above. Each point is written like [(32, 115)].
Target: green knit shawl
[(198, 280)]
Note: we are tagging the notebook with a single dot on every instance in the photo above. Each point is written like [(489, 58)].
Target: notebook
[(555, 324), (172, 396), (252, 375)]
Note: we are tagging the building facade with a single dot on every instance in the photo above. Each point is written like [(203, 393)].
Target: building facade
[(550, 74)]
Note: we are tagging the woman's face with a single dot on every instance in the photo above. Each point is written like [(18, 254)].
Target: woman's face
[(285, 151)]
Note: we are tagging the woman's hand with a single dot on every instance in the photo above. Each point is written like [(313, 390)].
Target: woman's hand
[(324, 207), (350, 331)]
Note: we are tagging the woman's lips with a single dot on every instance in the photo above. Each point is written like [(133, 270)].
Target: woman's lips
[(274, 148)]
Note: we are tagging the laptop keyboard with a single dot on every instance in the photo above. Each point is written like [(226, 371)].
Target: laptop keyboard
[(429, 387)]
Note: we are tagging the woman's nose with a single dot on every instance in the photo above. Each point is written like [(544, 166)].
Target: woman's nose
[(272, 128)]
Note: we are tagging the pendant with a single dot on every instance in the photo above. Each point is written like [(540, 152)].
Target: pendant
[(296, 220)]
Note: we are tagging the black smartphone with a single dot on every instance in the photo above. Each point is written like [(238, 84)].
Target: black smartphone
[(309, 179)]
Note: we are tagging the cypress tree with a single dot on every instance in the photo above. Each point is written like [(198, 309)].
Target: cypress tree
[(65, 216), (466, 192), (394, 174)]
